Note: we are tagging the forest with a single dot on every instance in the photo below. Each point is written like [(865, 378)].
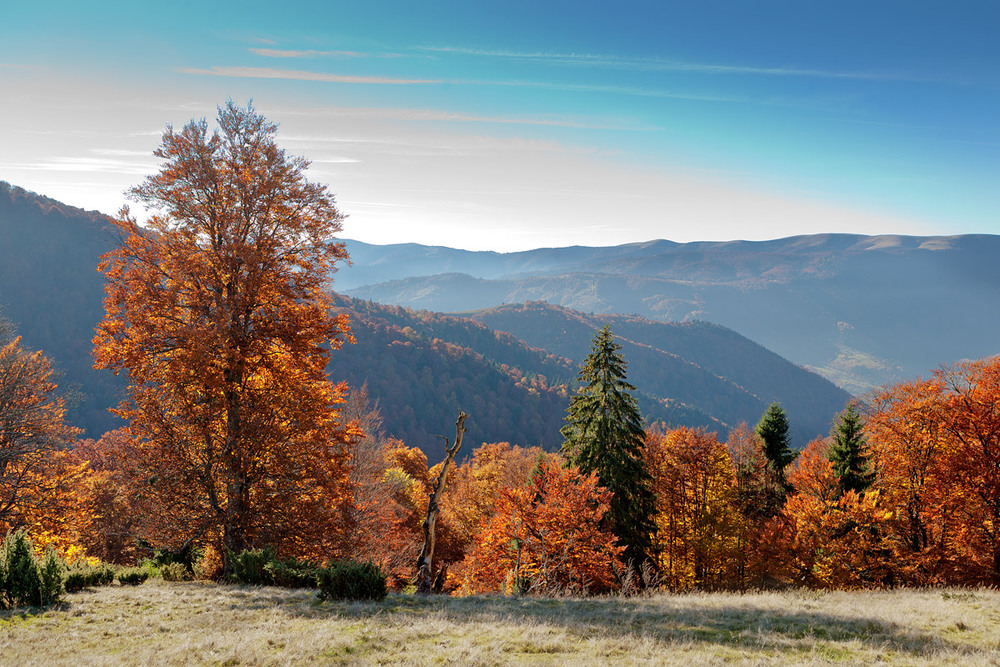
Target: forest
[(241, 459)]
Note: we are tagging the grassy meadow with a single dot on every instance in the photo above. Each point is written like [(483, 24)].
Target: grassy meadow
[(207, 623)]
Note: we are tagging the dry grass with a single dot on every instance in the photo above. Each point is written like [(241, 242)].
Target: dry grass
[(201, 623)]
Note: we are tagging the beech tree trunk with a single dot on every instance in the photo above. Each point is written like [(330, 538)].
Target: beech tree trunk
[(425, 569)]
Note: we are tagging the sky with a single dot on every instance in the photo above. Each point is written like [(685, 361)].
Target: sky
[(514, 125)]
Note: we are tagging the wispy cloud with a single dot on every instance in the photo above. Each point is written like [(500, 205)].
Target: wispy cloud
[(661, 64), (288, 53), (305, 75), (437, 115), (89, 165), (301, 75)]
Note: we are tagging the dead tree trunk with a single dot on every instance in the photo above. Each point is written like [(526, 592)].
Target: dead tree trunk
[(425, 570)]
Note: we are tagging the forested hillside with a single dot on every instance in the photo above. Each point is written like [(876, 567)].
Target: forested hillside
[(51, 290), (423, 367), (697, 363)]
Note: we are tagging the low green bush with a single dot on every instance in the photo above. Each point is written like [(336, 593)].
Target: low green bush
[(173, 572), (82, 576), (350, 580), (26, 580), (292, 573), (250, 566), (132, 576)]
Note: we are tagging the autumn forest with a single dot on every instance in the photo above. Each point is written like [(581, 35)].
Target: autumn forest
[(239, 450)]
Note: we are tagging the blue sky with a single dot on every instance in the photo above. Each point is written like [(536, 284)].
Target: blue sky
[(514, 125)]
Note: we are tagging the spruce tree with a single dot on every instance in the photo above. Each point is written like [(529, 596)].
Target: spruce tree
[(604, 434), (848, 452), (772, 430)]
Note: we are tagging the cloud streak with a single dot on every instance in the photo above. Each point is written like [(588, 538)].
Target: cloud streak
[(301, 75), (664, 65), (323, 77), (288, 53)]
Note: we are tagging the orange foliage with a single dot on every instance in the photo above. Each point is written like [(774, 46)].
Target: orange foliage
[(836, 540), (545, 538), (697, 516), (31, 431), (217, 310), (906, 437)]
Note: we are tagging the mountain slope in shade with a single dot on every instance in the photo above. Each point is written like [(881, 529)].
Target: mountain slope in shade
[(726, 375), (51, 290), (423, 367), (861, 310)]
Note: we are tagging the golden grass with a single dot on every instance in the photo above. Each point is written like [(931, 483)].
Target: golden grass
[(204, 623)]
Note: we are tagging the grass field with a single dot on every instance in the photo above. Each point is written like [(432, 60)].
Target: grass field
[(204, 623)]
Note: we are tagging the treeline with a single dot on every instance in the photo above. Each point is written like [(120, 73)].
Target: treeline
[(905, 492)]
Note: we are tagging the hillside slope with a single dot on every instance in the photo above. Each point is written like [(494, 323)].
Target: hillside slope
[(423, 367), (51, 290), (861, 310)]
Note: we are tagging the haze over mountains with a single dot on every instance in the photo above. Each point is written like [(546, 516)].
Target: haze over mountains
[(860, 310), (513, 366)]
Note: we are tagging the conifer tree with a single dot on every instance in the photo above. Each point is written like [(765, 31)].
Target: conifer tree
[(848, 452), (604, 434), (773, 432)]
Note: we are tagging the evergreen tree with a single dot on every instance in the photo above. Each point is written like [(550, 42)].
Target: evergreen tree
[(773, 432), (604, 434), (848, 452)]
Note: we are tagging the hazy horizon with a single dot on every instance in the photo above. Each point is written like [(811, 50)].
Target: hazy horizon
[(536, 125)]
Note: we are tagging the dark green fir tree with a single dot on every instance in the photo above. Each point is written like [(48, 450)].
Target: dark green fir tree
[(849, 452), (773, 432), (604, 433), (772, 429)]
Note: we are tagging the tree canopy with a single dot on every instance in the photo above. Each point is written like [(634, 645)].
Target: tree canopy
[(217, 309)]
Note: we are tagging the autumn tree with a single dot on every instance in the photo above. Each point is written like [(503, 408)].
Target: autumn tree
[(838, 538), (32, 428), (849, 452), (971, 460), (547, 537), (216, 308), (604, 434), (697, 511)]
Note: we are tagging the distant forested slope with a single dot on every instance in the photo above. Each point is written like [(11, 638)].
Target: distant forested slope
[(423, 367), (51, 290), (861, 310)]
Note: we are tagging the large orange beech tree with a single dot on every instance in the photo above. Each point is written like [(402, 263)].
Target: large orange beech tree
[(907, 438), (217, 310)]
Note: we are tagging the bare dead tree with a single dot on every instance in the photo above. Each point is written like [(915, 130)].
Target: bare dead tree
[(425, 570)]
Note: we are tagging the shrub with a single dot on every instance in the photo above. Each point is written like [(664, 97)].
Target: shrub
[(250, 566), (292, 573), (50, 576), (23, 579), (82, 576), (350, 580), (132, 576), (173, 572)]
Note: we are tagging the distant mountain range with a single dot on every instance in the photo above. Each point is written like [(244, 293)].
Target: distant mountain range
[(511, 367), (860, 310)]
